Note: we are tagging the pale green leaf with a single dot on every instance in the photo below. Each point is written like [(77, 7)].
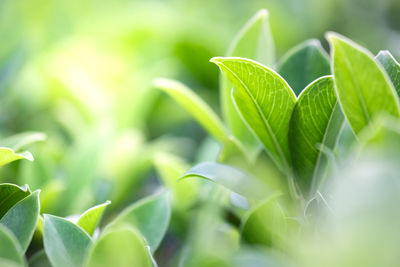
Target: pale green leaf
[(65, 243), (91, 218), (316, 121), (265, 101), (363, 87), (150, 216), (392, 68), (303, 64), (11, 194), (20, 140), (120, 247), (253, 41), (10, 249), (232, 178), (195, 106), (22, 219)]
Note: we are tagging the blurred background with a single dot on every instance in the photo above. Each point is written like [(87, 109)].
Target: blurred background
[(82, 71)]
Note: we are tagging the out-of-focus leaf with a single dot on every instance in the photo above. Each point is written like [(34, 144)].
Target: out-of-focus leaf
[(8, 155), (120, 247), (18, 141), (316, 120), (303, 64), (150, 216), (363, 87), (195, 106), (91, 218), (392, 68), (265, 101), (22, 219), (65, 243), (265, 224), (9, 263), (253, 41), (50, 193), (10, 249), (39, 259), (232, 178), (10, 195)]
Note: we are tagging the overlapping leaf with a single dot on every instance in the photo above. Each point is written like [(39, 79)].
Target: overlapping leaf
[(10, 249), (91, 218), (10, 194), (392, 68)]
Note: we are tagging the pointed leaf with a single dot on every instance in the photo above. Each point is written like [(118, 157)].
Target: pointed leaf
[(10, 249), (265, 101), (316, 120), (91, 218), (232, 178), (303, 64), (150, 216), (8, 155), (363, 87), (10, 195), (195, 106), (253, 41), (65, 243), (392, 68), (23, 218), (121, 247)]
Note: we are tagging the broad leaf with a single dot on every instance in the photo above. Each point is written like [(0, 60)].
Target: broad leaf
[(392, 68), (39, 259), (150, 216), (253, 41), (10, 194), (120, 247), (363, 87), (195, 106), (8, 155), (10, 249), (316, 121), (265, 224), (232, 178), (265, 101), (91, 218), (303, 64), (65, 243), (23, 218)]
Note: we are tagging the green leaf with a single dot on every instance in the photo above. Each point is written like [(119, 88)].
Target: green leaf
[(23, 218), (195, 106), (232, 178), (65, 243), (39, 259), (265, 101), (265, 224), (316, 121), (91, 218), (121, 247), (303, 64), (10, 249), (150, 216), (11, 194), (363, 87), (253, 41), (8, 155), (392, 68), (20, 140)]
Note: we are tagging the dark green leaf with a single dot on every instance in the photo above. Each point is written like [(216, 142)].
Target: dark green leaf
[(39, 259), (65, 243), (363, 87), (303, 64), (392, 68), (10, 194)]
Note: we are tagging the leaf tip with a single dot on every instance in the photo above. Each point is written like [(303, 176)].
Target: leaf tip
[(262, 13)]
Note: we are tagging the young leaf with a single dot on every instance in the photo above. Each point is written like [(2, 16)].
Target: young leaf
[(8, 155), (232, 178), (23, 218), (265, 101), (195, 106), (150, 216), (10, 249), (363, 87), (65, 243), (392, 68), (10, 195), (91, 218), (253, 41), (121, 247), (303, 64), (39, 259), (316, 120)]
